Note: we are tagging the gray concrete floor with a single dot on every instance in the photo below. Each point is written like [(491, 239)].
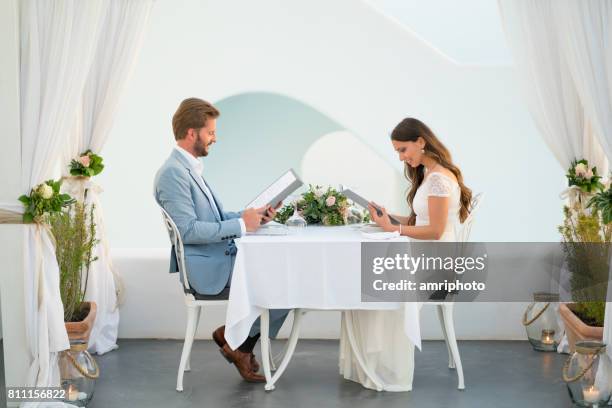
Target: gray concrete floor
[(142, 373)]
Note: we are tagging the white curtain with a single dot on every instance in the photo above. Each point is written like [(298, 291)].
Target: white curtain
[(564, 50), (57, 39), (550, 91), (586, 39), (121, 38), (587, 42)]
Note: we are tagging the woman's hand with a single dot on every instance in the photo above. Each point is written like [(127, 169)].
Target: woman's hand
[(383, 220)]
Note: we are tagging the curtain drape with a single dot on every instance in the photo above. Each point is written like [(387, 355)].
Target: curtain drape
[(56, 43), (116, 54), (563, 50), (549, 89), (60, 41), (587, 43)]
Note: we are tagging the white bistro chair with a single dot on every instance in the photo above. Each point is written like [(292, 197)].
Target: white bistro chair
[(445, 308), (195, 302)]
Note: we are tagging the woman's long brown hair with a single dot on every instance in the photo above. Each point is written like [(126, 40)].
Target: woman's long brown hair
[(409, 130)]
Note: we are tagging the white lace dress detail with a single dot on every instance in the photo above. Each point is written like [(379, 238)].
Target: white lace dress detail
[(438, 185)]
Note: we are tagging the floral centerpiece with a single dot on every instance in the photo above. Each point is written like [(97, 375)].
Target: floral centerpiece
[(87, 164), (325, 206), (44, 199)]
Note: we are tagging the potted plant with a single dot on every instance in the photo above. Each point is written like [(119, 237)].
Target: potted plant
[(75, 235), (586, 238)]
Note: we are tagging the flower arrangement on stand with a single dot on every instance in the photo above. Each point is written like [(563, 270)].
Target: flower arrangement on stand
[(324, 206)]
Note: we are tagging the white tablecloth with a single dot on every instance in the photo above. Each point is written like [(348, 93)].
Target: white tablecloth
[(311, 268)]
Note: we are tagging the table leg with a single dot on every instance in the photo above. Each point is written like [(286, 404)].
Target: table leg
[(265, 348), (352, 342)]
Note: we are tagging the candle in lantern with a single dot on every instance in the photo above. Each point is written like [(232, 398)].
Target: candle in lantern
[(548, 336), (72, 393), (590, 394)]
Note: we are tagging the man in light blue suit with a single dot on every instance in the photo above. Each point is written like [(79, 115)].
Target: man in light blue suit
[(207, 230)]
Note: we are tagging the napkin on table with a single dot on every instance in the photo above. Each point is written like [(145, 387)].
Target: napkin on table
[(380, 235)]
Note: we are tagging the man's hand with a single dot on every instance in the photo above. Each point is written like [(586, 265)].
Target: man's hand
[(252, 219), (268, 213)]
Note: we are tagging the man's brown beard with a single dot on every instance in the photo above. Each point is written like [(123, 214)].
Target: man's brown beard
[(200, 148)]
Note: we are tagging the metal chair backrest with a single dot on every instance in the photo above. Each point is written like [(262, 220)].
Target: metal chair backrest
[(177, 244)]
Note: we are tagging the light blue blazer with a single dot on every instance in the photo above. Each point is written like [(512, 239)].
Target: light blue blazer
[(209, 240)]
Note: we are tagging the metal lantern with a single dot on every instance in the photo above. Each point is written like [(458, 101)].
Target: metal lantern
[(586, 373), (541, 322), (78, 371)]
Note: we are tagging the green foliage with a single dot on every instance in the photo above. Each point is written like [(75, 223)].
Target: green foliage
[(283, 214), (321, 206), (591, 313), (74, 230), (586, 182), (586, 243), (44, 199), (602, 202), (94, 167)]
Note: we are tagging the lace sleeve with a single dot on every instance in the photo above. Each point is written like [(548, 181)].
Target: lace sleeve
[(439, 186)]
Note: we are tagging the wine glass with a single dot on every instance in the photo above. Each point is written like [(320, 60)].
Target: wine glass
[(296, 220)]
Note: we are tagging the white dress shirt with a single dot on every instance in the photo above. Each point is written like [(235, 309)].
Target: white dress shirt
[(198, 168)]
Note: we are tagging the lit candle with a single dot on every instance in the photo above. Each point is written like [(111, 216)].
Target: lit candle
[(73, 393), (548, 336), (591, 394)]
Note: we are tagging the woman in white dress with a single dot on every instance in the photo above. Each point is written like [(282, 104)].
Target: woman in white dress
[(439, 202)]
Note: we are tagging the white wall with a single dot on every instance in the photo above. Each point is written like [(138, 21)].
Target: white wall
[(357, 68), (468, 31)]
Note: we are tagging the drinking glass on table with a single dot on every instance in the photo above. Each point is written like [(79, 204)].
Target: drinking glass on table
[(296, 220)]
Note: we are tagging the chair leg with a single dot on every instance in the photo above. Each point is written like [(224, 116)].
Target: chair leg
[(272, 363), (447, 311), (195, 331), (451, 362), (191, 321)]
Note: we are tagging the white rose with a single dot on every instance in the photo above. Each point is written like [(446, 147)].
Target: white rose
[(319, 192), (331, 200), (589, 174), (45, 191), (580, 169)]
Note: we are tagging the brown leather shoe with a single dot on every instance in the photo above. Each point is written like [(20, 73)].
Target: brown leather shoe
[(242, 361), (254, 363), (219, 338)]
